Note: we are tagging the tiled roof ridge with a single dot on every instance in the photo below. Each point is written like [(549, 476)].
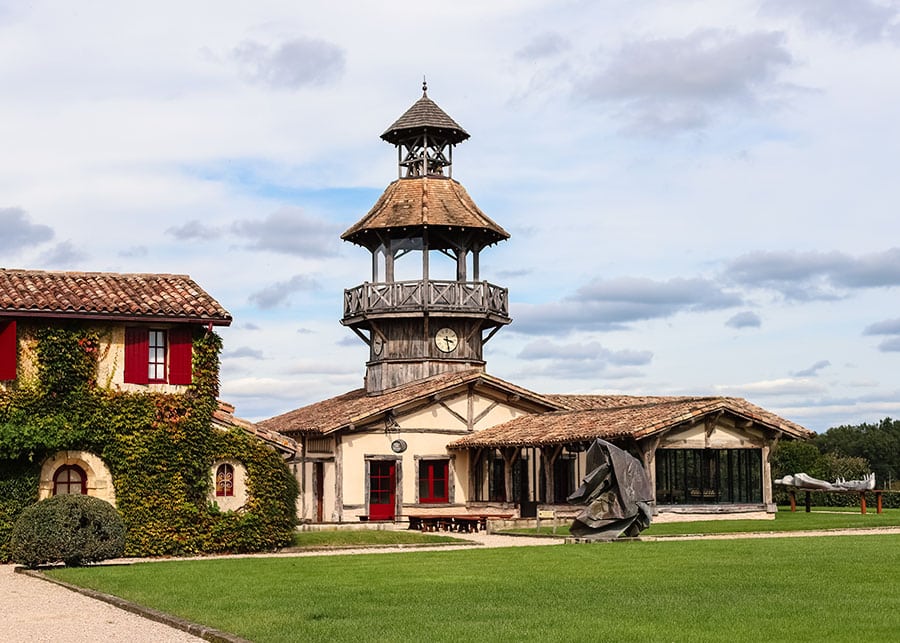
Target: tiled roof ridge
[(95, 273), (355, 406), (107, 295)]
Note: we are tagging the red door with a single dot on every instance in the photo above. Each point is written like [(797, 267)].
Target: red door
[(382, 489)]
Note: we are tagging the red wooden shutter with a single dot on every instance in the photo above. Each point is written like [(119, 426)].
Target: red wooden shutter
[(137, 355), (180, 354), (8, 350)]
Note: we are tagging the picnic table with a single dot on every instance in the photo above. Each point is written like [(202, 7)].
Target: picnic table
[(463, 523), (862, 498)]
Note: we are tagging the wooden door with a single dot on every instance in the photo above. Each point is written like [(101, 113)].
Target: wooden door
[(320, 491), (382, 489)]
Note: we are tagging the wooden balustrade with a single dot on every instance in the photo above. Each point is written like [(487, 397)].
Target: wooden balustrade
[(428, 295)]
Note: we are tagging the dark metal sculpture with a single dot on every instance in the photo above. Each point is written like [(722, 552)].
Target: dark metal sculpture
[(617, 492)]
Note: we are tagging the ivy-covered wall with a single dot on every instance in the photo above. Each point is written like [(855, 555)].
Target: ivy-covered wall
[(159, 448)]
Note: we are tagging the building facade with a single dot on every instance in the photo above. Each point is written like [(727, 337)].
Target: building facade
[(108, 387), (431, 432)]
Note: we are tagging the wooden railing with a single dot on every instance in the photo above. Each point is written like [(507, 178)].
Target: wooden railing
[(432, 296)]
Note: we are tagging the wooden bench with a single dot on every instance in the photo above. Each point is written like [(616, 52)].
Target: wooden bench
[(464, 523), (862, 498)]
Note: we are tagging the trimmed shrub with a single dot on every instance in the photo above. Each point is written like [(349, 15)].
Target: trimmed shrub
[(73, 529)]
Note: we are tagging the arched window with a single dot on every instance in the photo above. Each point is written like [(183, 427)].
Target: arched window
[(69, 479), (224, 480)]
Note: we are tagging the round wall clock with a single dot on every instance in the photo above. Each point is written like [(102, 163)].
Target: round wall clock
[(398, 446), (377, 345), (446, 340)]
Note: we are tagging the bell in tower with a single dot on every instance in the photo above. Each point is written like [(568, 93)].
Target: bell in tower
[(425, 310)]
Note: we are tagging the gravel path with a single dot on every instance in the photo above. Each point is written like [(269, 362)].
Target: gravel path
[(33, 610)]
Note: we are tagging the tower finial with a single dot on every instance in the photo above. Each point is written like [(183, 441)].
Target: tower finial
[(424, 86)]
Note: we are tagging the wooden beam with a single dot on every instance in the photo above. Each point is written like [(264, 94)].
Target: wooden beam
[(454, 413), (484, 413), (491, 334), (361, 336), (470, 411)]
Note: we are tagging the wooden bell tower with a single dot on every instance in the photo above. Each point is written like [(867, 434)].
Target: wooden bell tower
[(425, 310)]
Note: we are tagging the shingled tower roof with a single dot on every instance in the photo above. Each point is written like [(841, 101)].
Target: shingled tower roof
[(425, 202), (424, 115)]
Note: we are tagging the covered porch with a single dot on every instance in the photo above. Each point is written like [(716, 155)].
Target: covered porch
[(703, 455)]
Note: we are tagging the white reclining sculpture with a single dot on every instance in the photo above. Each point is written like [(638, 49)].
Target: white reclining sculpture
[(804, 481)]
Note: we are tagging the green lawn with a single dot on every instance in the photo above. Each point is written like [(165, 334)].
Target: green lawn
[(368, 537), (819, 518), (833, 588)]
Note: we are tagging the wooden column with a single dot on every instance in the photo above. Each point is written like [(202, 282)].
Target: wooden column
[(549, 455), (389, 261), (460, 264), (648, 459), (767, 474), (337, 515), (474, 457), (302, 480), (510, 455), (425, 255)]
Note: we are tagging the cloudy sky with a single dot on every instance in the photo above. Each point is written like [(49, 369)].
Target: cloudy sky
[(702, 196)]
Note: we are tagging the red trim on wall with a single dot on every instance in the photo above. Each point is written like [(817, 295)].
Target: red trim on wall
[(180, 355), (8, 350), (137, 355)]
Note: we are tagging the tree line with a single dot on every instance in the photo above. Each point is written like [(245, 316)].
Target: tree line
[(847, 451)]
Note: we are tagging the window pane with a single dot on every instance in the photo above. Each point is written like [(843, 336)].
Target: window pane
[(156, 368)]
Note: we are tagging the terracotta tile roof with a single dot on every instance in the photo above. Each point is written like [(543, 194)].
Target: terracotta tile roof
[(356, 407), (224, 417), (425, 201), (614, 416), (108, 295), (424, 114)]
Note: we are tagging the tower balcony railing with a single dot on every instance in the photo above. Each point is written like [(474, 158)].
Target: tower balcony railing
[(476, 297)]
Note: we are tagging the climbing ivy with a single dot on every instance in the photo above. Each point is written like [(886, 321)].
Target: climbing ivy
[(159, 448)]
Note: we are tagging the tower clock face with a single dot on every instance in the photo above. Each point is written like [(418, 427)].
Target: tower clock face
[(377, 345), (446, 340)]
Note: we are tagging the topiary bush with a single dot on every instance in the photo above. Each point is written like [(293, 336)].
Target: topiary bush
[(73, 529)]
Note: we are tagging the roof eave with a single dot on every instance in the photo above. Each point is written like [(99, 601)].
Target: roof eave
[(162, 319)]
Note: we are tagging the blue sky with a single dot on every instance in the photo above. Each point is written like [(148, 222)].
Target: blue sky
[(702, 196)]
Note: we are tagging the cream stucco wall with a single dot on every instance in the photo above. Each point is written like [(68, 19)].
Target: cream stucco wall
[(426, 430), (99, 478), (724, 435), (241, 495)]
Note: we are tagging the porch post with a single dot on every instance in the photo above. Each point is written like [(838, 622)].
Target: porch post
[(510, 455)]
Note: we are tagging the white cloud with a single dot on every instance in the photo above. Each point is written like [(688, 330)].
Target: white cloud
[(292, 64), (772, 388), (676, 83), (19, 232), (745, 319)]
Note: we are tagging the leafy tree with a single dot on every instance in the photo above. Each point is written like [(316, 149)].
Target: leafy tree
[(878, 443)]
